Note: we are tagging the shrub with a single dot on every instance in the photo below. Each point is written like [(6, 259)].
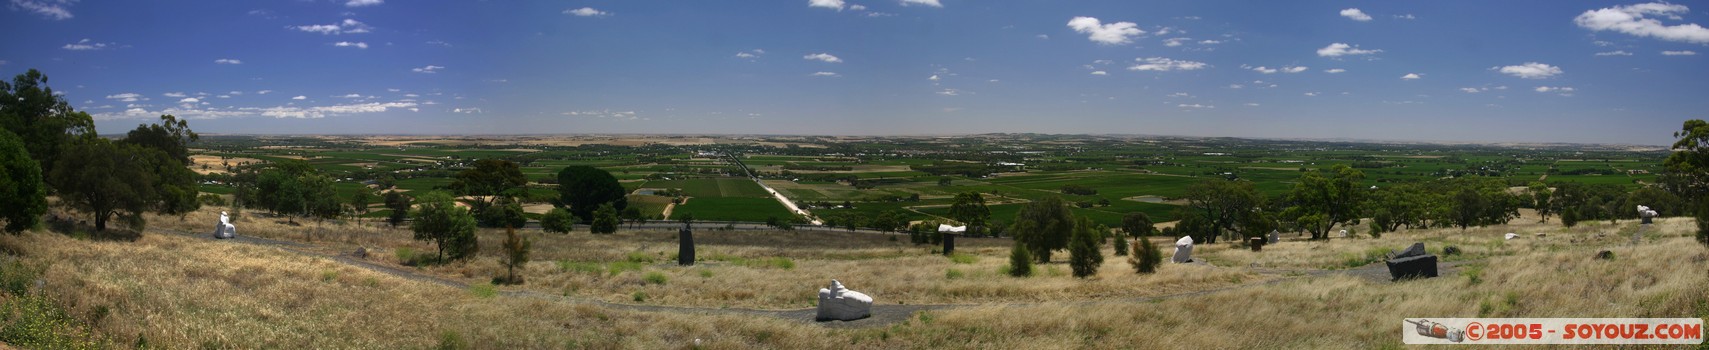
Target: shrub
[(1703, 222), (1083, 253), (212, 200), (656, 278), (953, 274), (516, 250), (1020, 261), (639, 297), (558, 220), (604, 219), (1376, 230), (483, 290), (639, 258), (450, 340), (1146, 257), (961, 258), (1121, 245)]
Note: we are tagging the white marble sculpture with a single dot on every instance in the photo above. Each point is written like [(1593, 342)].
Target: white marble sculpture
[(1511, 235), (225, 229), (1183, 250), (841, 304), (1275, 236), (1343, 233)]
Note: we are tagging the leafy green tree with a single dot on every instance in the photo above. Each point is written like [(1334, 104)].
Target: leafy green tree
[(1325, 201), (437, 218), (1224, 205), (516, 250), (171, 135), (583, 188), (1687, 168), (1020, 260), (1138, 224), (1540, 199), (633, 216), (106, 179), (506, 213), (557, 220), (1400, 205), (605, 219), (23, 195), (1479, 203), (1146, 257), (1085, 253), (490, 182), (1043, 226), (42, 119), (1702, 217), (359, 200), (970, 210), (399, 204), (1569, 217)]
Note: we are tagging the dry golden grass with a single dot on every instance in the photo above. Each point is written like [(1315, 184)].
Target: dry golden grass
[(182, 292)]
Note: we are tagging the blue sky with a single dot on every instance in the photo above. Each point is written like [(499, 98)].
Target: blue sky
[(1507, 71)]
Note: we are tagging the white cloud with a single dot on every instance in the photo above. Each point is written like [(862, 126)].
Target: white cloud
[(1340, 49), (1099, 72), (745, 54), (1179, 95), (1194, 106), (1530, 70), (1679, 53), (300, 97), (126, 97), (950, 92), (1471, 90), (1614, 53), (934, 77), (1311, 94), (1236, 86), (824, 57), (52, 9), (1161, 64), (1209, 42), (189, 100), (857, 7), (830, 4), (1252, 104), (350, 96), (1411, 76), (428, 69), (174, 94), (1265, 70), (228, 61), (359, 45), (1106, 34), (263, 92), (475, 110), (624, 115), (826, 74), (586, 12), (1356, 15), (1405, 16), (1633, 20), (1042, 37), (932, 3), (1294, 69), (361, 3), (1174, 42), (334, 110), (348, 26), (88, 45), (1335, 70), (1564, 90)]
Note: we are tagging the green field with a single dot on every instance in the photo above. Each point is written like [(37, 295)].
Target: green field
[(731, 209)]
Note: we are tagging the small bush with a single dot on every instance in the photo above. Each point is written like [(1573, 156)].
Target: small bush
[(782, 263), (405, 255), (1146, 257), (450, 340), (328, 276), (1121, 244), (618, 267), (954, 274), (960, 258), (639, 297), (640, 258), (558, 220), (1376, 230), (483, 290), (580, 267), (1083, 253), (705, 273), (1020, 261), (656, 278)]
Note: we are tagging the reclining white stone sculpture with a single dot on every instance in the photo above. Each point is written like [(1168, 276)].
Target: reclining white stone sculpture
[(841, 304), (225, 229)]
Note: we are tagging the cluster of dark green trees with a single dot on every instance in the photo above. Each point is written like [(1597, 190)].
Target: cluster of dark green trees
[(48, 148)]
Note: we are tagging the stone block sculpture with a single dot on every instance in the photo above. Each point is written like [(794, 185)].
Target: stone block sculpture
[(840, 304)]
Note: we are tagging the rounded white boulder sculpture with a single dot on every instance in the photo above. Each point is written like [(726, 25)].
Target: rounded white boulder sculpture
[(840, 304), (224, 229), (1183, 250)]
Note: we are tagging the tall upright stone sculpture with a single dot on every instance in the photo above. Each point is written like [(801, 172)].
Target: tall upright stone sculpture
[(685, 246), (840, 304), (225, 229)]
